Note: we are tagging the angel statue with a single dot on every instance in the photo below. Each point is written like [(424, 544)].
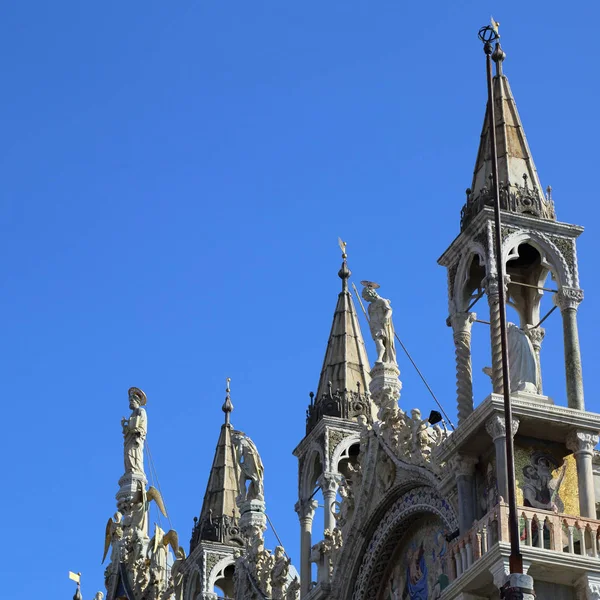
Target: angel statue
[(251, 467), (134, 432), (380, 323), (137, 513), (157, 552), (99, 596), (114, 533), (177, 573)]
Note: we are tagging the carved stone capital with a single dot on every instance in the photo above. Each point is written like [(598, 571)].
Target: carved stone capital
[(587, 587), (568, 298), (461, 322), (536, 335), (329, 482), (582, 442), (463, 465), (496, 426), (306, 509)]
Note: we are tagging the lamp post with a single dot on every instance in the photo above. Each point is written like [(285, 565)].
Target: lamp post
[(518, 584)]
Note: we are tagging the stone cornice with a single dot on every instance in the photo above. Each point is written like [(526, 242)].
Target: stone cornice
[(332, 422), (522, 409), (515, 220)]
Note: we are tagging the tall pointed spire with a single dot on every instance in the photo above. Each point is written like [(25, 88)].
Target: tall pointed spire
[(344, 381), (520, 188), (219, 515)]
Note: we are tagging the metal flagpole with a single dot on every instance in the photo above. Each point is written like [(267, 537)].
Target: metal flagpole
[(488, 35)]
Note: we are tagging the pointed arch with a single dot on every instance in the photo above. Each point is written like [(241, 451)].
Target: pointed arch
[(551, 256), (391, 528)]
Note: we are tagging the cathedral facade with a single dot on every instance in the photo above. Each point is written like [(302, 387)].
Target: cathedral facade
[(413, 507)]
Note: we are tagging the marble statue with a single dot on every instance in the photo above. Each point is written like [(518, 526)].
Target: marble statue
[(177, 575), (279, 573), (134, 432), (293, 591), (99, 596), (380, 323), (113, 533), (521, 360), (251, 467)]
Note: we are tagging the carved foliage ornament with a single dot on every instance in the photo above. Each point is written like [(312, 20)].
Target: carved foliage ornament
[(568, 298), (496, 426), (582, 442)]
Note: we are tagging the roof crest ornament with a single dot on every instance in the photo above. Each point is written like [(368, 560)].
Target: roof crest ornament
[(344, 272), (227, 405)]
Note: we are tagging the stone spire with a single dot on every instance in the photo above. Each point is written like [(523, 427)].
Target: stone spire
[(219, 515), (344, 381), (520, 188)]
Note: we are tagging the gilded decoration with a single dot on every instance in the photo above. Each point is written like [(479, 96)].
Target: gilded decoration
[(418, 571), (546, 479)]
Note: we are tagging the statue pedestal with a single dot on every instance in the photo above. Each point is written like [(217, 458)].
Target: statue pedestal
[(385, 382), (253, 519), (532, 397), (129, 484)]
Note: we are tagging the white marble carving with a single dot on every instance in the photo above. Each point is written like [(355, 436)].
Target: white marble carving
[(380, 323)]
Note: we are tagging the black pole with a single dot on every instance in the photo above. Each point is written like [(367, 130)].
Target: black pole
[(516, 560)]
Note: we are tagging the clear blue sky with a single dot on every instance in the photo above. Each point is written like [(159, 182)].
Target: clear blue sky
[(174, 179)]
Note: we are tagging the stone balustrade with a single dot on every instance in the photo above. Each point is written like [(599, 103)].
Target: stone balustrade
[(542, 529)]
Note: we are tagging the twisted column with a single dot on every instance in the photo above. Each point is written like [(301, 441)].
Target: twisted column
[(461, 328), (493, 294), (568, 300)]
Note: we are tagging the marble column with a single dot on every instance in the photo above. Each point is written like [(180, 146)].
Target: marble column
[(582, 444), (464, 469), (329, 482), (495, 426), (493, 294), (568, 300), (306, 512), (461, 329)]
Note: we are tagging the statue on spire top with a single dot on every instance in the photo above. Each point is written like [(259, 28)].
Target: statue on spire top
[(134, 432), (380, 323)]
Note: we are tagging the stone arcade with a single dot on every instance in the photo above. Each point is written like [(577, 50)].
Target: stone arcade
[(411, 510)]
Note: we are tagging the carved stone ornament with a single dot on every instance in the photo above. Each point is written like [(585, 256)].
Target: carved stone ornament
[(335, 437), (306, 509), (496, 426), (568, 298), (582, 442), (588, 587), (461, 322), (390, 530), (463, 465), (329, 482)]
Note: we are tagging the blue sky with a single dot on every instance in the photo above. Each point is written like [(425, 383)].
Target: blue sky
[(174, 179)]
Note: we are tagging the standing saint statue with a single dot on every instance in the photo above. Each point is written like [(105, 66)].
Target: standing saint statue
[(134, 432), (380, 323), (251, 467), (524, 374)]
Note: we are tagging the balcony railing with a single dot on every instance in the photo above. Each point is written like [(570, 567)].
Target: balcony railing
[(538, 528)]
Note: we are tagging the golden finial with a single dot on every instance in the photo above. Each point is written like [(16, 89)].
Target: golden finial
[(342, 246), (495, 25)]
